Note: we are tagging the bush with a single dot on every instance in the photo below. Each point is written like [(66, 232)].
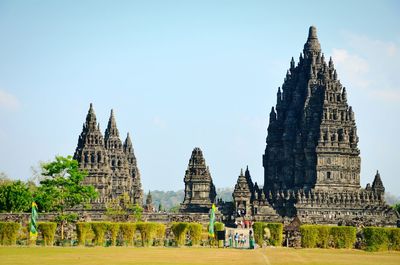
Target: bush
[(276, 230), (323, 238), (309, 236), (219, 226), (8, 233), (99, 230), (48, 230), (343, 236), (258, 230), (160, 235), (195, 230), (148, 231), (82, 229), (179, 230), (381, 239), (114, 230), (394, 238), (127, 230), (276, 233)]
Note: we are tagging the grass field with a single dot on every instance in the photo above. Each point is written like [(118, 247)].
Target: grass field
[(206, 256)]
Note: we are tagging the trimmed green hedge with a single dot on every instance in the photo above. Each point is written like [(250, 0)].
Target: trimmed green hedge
[(195, 231), (99, 230), (179, 230), (113, 228), (8, 233), (276, 231), (127, 231), (325, 236), (82, 229), (148, 232), (48, 230), (381, 238)]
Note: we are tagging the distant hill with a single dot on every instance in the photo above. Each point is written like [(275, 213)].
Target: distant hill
[(170, 199)]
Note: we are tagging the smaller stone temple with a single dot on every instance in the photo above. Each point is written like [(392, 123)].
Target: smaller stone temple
[(199, 188)]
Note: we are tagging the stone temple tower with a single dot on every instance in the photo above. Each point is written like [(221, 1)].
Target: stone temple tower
[(312, 134), (199, 188), (111, 166)]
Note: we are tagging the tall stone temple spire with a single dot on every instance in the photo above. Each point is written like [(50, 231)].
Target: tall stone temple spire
[(312, 137), (199, 188), (137, 192), (112, 167), (311, 160), (92, 155)]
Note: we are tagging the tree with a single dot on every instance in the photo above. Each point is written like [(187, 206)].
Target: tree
[(122, 209), (15, 196), (62, 189), (397, 207)]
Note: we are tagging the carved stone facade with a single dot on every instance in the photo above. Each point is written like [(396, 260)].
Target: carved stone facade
[(111, 165), (311, 161), (199, 188)]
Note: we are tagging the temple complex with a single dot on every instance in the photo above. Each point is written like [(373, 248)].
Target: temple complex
[(111, 165), (312, 161)]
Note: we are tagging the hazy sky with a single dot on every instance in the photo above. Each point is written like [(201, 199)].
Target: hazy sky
[(181, 74)]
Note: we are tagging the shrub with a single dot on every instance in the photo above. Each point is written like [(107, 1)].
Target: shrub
[(8, 233), (99, 230), (147, 232), (127, 230), (82, 229), (276, 230), (114, 230), (343, 236), (258, 230), (195, 230), (48, 230), (219, 226), (394, 238), (323, 238), (376, 239), (179, 230), (309, 236), (160, 234)]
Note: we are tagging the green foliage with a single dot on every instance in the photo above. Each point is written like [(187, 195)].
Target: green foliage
[(219, 226), (323, 239), (127, 230), (15, 196), (381, 239), (82, 229), (324, 236), (394, 238), (258, 230), (62, 188), (397, 207), (99, 230), (148, 232), (179, 230), (195, 230), (114, 230), (276, 230), (275, 233), (121, 209), (160, 234), (48, 230), (8, 233), (343, 236), (309, 236)]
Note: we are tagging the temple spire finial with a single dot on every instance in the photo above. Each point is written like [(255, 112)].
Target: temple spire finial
[(312, 46)]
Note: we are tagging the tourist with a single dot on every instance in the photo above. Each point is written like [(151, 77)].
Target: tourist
[(236, 240)]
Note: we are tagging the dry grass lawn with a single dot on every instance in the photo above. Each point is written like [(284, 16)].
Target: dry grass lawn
[(181, 256)]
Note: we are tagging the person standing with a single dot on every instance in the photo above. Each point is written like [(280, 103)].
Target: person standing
[(236, 240)]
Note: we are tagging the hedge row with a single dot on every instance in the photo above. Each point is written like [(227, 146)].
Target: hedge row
[(183, 229), (327, 236), (8, 233), (381, 239), (149, 232), (271, 233)]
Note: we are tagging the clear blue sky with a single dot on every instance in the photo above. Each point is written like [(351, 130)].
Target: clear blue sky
[(181, 74)]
